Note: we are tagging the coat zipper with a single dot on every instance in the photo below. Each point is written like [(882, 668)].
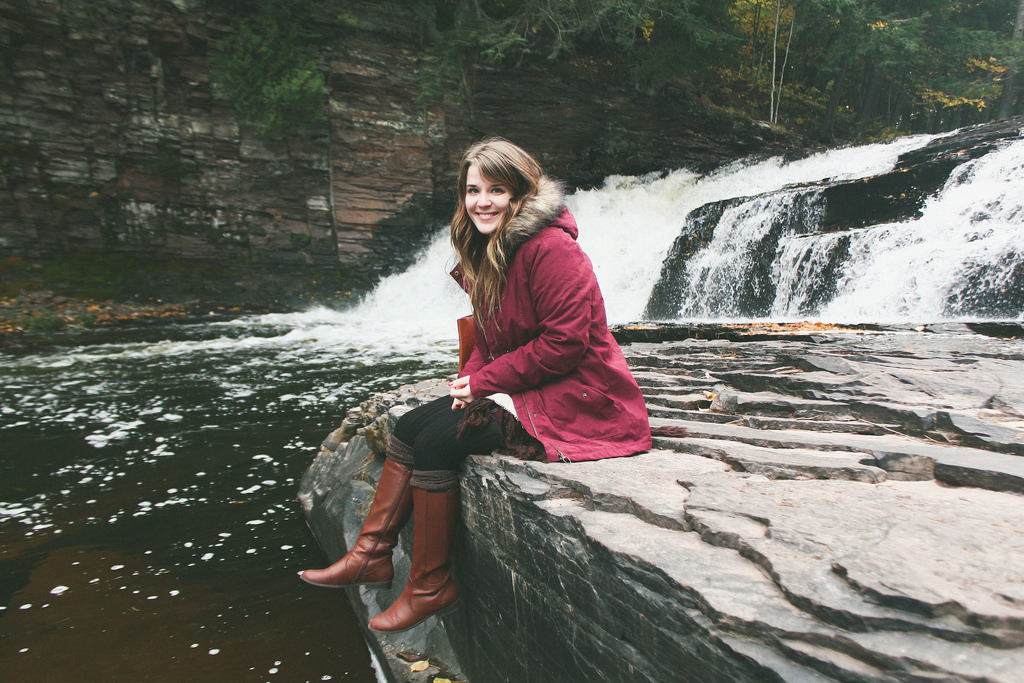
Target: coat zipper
[(529, 414)]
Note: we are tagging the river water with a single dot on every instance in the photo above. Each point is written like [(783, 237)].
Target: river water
[(149, 528), (148, 523)]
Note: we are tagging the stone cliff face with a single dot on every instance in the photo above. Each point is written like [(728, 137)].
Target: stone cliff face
[(112, 141), (840, 510)]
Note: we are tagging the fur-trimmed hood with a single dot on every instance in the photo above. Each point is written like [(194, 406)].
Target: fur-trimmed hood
[(538, 212), (544, 209)]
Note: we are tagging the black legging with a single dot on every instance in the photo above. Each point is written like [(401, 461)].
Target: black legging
[(432, 431)]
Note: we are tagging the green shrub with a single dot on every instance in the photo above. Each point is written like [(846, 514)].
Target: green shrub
[(166, 164), (91, 276), (40, 321), (264, 70)]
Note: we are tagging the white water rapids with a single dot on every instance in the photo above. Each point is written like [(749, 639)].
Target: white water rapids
[(896, 273)]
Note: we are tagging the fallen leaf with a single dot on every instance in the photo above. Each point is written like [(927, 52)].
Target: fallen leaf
[(421, 665)]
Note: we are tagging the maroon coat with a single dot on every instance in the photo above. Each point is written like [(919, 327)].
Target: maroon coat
[(551, 349)]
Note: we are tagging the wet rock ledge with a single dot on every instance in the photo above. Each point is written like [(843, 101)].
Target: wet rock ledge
[(847, 505)]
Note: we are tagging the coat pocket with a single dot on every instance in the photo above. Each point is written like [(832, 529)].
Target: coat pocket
[(580, 413)]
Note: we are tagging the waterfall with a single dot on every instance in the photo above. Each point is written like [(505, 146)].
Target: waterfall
[(628, 225), (767, 258), (960, 260)]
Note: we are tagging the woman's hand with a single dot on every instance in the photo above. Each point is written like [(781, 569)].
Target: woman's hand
[(460, 392)]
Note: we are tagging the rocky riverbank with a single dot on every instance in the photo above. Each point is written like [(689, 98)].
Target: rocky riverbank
[(846, 506), (44, 311), (110, 290)]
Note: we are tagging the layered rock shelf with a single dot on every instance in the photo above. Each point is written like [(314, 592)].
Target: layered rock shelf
[(845, 504)]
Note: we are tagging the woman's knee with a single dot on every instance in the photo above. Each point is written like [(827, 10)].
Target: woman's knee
[(409, 425), (436, 454), (432, 430)]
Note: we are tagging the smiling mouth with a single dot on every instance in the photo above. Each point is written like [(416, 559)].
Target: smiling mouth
[(486, 216)]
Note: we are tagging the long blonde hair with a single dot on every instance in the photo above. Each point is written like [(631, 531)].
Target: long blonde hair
[(484, 259)]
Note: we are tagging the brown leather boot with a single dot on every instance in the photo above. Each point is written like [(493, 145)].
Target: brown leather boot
[(369, 560), (430, 589)]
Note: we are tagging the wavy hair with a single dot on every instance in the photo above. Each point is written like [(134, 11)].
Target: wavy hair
[(484, 259)]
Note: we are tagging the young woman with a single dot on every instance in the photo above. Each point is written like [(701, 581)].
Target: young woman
[(545, 381)]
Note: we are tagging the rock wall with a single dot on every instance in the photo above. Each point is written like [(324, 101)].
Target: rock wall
[(112, 141), (846, 506)]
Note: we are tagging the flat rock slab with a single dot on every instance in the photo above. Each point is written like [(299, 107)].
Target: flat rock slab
[(847, 507)]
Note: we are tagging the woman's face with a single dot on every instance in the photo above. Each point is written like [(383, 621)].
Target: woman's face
[(486, 202)]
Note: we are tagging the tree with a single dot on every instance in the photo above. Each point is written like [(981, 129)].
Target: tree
[(1010, 84), (264, 68), (773, 109), (876, 66), (653, 41), (858, 68)]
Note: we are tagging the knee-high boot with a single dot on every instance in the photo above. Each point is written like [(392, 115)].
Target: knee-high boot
[(430, 589), (369, 560)]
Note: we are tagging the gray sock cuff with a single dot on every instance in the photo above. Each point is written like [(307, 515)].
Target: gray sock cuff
[(400, 452), (435, 481)]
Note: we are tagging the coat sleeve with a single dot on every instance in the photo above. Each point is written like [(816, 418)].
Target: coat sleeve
[(563, 288)]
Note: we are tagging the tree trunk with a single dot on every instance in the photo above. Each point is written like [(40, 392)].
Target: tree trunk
[(753, 45), (1006, 105), (871, 93), (775, 58), (828, 131), (785, 60), (896, 108)]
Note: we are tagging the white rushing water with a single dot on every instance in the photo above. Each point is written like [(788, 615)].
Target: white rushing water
[(960, 260), (627, 227), (967, 243)]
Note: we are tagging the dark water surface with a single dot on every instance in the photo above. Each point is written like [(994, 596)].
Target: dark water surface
[(149, 529)]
